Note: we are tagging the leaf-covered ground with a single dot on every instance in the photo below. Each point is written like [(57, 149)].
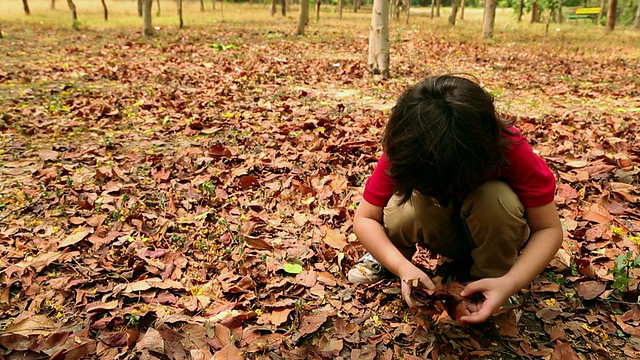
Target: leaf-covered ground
[(192, 195)]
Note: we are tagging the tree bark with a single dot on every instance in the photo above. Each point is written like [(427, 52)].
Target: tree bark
[(340, 6), (318, 3), (303, 17), (179, 4), (283, 5), (489, 18), (534, 11), (53, 4), (356, 5), (74, 15), (433, 8), (636, 21), (408, 11), (222, 10), (147, 27), (202, 9), (25, 6), (603, 8), (213, 4), (273, 7), (158, 12), (454, 12), (379, 38), (611, 15), (560, 17), (520, 10), (140, 8), (106, 11), (462, 9), (438, 3)]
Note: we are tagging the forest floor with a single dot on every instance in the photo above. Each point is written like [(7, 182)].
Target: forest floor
[(192, 195)]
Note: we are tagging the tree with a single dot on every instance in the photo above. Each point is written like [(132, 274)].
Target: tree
[(139, 8), (74, 15), (454, 12), (534, 11), (25, 6), (157, 12), (611, 15), (273, 7), (179, 4), (318, 3), (283, 5), (489, 18), (356, 5), (53, 4), (379, 38), (340, 6), (433, 8), (520, 10), (147, 27), (0, 30), (438, 4), (303, 17), (603, 7), (462, 9), (636, 21), (106, 11), (202, 5)]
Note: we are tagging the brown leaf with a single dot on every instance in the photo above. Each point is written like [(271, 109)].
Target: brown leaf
[(507, 324), (74, 238), (48, 155), (279, 316), (311, 323), (591, 289), (335, 239), (257, 243), (564, 351), (33, 325), (152, 341), (368, 352), (229, 352)]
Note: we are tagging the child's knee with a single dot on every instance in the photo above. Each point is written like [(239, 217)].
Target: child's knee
[(494, 203)]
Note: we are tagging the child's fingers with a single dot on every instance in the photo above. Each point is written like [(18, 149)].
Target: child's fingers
[(427, 283), (474, 287)]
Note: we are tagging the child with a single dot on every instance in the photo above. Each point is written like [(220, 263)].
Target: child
[(461, 180)]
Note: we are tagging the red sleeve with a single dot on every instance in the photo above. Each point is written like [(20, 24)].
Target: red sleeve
[(379, 187), (527, 174)]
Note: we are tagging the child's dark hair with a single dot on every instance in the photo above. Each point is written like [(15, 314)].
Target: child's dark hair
[(444, 138)]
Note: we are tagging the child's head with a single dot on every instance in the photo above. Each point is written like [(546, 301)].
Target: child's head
[(443, 138)]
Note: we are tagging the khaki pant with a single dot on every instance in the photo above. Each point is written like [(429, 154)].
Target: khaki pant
[(485, 230)]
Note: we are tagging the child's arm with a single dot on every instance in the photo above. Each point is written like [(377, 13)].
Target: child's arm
[(367, 225), (545, 240)]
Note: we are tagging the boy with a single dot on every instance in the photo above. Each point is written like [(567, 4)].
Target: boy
[(459, 179)]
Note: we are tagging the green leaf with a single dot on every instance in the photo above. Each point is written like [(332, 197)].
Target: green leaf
[(293, 268)]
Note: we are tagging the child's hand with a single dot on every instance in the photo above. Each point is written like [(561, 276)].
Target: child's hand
[(496, 291), (411, 277)]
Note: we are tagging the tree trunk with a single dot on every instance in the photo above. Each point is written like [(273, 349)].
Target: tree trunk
[(147, 27), (611, 15), (273, 7), (462, 9), (489, 18), (438, 3), (202, 9), (74, 15), (603, 7), (318, 3), (303, 17), (158, 12), (53, 4), (433, 8), (25, 6), (379, 38), (106, 11), (454, 12), (179, 3), (560, 17), (408, 11), (534, 11), (356, 5), (222, 10), (520, 10), (213, 4), (340, 6), (283, 5), (636, 21), (0, 30), (140, 8)]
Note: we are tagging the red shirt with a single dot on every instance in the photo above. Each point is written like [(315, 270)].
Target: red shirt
[(527, 174)]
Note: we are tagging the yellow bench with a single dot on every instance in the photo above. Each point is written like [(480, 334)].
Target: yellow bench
[(585, 13)]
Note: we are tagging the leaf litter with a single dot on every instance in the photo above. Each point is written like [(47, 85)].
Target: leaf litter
[(195, 203)]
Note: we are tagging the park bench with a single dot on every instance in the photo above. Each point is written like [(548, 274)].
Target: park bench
[(585, 13)]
